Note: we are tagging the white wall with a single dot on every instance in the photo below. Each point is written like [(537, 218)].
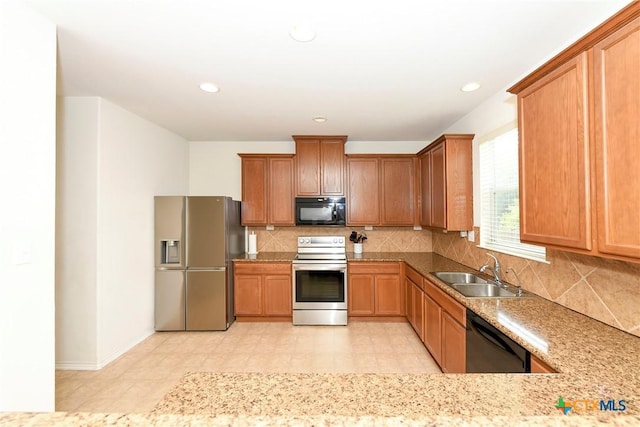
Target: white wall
[(27, 217), (76, 232), (112, 163), (137, 160), (215, 168)]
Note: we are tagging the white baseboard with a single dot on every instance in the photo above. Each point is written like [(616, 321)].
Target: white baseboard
[(86, 366)]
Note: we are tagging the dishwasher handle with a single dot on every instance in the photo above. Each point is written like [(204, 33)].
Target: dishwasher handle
[(492, 337)]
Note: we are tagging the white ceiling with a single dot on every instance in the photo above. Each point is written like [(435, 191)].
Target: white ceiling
[(378, 70)]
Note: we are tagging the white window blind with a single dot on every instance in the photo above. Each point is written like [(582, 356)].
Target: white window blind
[(499, 198)]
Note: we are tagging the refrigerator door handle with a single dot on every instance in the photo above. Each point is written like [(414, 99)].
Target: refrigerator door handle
[(206, 268)]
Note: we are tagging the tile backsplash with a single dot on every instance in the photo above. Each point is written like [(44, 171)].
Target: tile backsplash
[(387, 239), (604, 289)]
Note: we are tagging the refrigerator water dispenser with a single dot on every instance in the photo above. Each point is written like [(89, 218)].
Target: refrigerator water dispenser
[(170, 251)]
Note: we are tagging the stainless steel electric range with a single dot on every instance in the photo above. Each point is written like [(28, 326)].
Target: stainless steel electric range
[(320, 281)]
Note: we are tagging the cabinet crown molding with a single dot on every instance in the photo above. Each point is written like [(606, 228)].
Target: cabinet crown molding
[(604, 30)]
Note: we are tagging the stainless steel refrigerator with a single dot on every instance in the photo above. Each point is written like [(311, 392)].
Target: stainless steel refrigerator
[(196, 239)]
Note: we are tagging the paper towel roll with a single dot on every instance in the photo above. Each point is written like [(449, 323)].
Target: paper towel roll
[(253, 243)]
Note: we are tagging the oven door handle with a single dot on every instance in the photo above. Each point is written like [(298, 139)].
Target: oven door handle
[(320, 266)]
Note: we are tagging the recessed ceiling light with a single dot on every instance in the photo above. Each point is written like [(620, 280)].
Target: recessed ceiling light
[(302, 32), (470, 87), (209, 87), (319, 119)]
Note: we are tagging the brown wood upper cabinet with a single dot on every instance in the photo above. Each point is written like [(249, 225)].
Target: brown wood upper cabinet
[(579, 152), (381, 190), (319, 165), (267, 190), (446, 183)]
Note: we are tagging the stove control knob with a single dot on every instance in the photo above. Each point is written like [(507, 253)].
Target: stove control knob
[(300, 240), (341, 240), (335, 240), (307, 240)]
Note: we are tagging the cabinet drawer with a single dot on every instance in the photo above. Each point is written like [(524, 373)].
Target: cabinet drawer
[(263, 268), (414, 276), (374, 268), (456, 310)]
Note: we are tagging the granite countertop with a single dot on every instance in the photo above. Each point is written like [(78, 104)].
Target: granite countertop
[(595, 361)]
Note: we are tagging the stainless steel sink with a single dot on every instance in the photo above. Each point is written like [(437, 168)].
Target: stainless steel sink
[(488, 290), (451, 277), (473, 286)]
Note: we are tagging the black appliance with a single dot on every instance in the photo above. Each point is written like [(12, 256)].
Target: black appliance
[(320, 211), (489, 350)]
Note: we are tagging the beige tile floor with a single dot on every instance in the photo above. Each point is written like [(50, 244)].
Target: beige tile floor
[(136, 381)]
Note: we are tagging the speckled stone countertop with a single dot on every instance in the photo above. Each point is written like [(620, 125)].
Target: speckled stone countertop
[(595, 361)]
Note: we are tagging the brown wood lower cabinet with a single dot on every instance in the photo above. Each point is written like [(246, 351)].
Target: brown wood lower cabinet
[(262, 289), (415, 301), (539, 367), (374, 289), (442, 321), (453, 345), (433, 328), (448, 317)]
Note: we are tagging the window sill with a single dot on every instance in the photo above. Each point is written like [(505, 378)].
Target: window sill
[(514, 253)]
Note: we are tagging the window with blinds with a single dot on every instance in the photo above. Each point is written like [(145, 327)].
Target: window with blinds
[(500, 207)]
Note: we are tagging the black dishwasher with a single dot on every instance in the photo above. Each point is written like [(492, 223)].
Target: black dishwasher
[(489, 350)]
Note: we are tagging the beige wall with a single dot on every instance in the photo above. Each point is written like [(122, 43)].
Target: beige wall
[(380, 239)]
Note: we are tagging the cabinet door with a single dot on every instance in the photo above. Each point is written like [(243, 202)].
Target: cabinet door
[(361, 290), (363, 206), (254, 190), (418, 310), (433, 328), (425, 190), (409, 302), (332, 167), (308, 167), (453, 345), (388, 295), (438, 187), (397, 184), (277, 295), (248, 295), (617, 141), (281, 199), (539, 367), (553, 123), (459, 182)]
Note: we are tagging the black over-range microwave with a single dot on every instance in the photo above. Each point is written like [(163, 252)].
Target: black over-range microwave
[(320, 211)]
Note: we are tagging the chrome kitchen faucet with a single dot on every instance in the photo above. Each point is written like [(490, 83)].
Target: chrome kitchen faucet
[(495, 270)]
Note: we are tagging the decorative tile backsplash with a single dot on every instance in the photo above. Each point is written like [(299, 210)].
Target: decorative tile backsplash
[(387, 239), (604, 289)]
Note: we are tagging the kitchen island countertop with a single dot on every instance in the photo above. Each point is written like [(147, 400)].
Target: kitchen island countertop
[(594, 362)]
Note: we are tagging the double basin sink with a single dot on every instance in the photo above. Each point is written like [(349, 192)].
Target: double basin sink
[(472, 286)]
